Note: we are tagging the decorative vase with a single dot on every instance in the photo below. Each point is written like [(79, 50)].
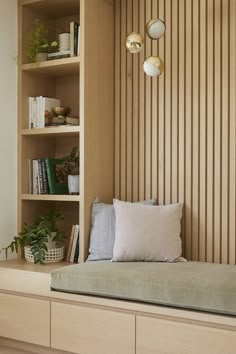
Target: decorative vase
[(73, 184), (41, 57)]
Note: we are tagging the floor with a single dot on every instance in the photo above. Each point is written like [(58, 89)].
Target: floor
[(5, 350)]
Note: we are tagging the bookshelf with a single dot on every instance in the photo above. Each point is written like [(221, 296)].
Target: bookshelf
[(84, 83)]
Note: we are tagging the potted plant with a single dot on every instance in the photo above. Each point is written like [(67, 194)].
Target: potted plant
[(70, 164), (42, 241), (37, 45)]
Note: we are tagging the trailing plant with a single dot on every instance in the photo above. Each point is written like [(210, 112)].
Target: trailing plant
[(70, 163), (37, 235), (37, 41)]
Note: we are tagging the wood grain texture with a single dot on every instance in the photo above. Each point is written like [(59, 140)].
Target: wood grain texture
[(183, 143)]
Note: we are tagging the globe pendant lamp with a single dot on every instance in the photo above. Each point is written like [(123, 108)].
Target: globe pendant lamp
[(155, 29), (134, 42), (153, 66)]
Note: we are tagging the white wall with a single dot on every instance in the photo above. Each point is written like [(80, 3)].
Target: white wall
[(8, 119)]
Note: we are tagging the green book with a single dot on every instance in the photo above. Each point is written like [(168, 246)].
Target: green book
[(57, 180)]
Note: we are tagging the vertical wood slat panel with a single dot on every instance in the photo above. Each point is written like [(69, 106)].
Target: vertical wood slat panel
[(195, 132), (161, 115), (148, 105), (129, 107), (181, 107), (154, 130), (217, 131), (225, 131), (117, 97), (142, 19), (188, 132), (136, 64), (202, 132), (168, 108), (174, 103), (232, 133), (123, 147), (175, 135)]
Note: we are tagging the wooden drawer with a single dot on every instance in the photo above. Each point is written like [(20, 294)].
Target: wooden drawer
[(86, 330), (25, 319), (155, 336)]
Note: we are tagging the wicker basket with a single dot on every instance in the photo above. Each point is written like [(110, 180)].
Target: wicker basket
[(52, 255)]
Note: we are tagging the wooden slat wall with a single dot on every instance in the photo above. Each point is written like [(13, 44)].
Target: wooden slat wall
[(175, 135)]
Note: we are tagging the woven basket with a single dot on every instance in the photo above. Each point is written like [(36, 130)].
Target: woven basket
[(52, 255)]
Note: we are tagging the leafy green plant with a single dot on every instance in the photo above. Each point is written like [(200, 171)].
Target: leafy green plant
[(37, 235), (70, 163), (37, 41)]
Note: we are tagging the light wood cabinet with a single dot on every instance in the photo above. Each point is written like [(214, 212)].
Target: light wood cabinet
[(84, 330), (157, 336), (86, 85), (25, 319)]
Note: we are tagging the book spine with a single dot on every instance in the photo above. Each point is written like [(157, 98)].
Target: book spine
[(45, 178), (30, 112), (70, 243), (34, 112), (35, 177), (75, 39), (30, 176), (49, 176), (76, 257), (78, 42), (40, 177), (59, 56), (72, 33), (72, 255), (37, 112)]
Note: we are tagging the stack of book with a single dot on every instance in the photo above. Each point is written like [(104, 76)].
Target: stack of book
[(74, 44), (46, 177), (38, 107), (73, 246)]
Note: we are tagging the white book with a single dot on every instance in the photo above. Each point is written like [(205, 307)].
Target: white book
[(34, 112), (37, 112), (41, 113), (35, 177), (72, 38), (76, 235), (30, 112)]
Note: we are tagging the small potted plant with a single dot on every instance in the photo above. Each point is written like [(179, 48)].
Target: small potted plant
[(42, 241), (70, 164), (37, 45)]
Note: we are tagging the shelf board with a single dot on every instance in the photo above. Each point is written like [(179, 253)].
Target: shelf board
[(56, 67), (51, 197), (65, 130)]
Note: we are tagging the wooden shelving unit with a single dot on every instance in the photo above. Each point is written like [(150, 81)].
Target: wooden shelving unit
[(86, 84)]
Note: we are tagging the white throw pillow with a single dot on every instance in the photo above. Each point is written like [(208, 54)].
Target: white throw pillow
[(147, 233)]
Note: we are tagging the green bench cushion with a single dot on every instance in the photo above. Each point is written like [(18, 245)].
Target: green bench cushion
[(191, 285)]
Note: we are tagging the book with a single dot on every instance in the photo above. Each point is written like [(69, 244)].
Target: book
[(59, 55), (57, 180), (75, 238), (45, 177), (40, 177), (78, 42), (76, 257), (70, 243), (35, 176), (72, 120), (46, 105), (73, 38)]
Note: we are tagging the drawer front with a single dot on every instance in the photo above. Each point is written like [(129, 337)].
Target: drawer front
[(155, 336), (86, 330), (25, 319)]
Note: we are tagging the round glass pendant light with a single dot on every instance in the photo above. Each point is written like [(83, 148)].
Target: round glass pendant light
[(155, 28), (153, 66), (134, 42)]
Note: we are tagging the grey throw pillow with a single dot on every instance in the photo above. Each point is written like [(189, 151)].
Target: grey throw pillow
[(103, 226)]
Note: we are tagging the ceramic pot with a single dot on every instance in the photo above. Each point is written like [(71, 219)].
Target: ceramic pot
[(73, 184), (41, 57)]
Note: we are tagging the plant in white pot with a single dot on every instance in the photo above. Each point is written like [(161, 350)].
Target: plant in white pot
[(42, 241), (71, 166)]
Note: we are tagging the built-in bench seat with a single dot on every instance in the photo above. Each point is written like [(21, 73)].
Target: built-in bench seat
[(189, 285)]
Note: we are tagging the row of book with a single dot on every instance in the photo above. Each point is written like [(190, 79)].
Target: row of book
[(73, 246), (46, 177), (74, 44)]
